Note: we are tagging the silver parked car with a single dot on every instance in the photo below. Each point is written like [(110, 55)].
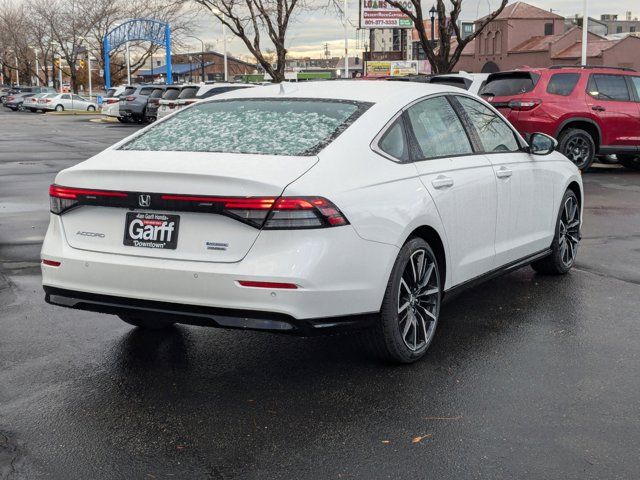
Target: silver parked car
[(66, 101)]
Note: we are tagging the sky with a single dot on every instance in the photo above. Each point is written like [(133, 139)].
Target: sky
[(311, 30)]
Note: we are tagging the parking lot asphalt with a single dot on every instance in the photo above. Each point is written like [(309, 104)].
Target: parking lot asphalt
[(528, 376)]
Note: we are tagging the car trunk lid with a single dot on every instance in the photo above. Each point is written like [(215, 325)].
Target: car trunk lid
[(166, 191)]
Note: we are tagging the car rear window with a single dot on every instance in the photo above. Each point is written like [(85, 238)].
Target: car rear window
[(188, 92), (157, 93), (452, 81), (509, 84), (270, 126), (171, 94), (128, 91), (146, 90), (110, 93), (562, 83)]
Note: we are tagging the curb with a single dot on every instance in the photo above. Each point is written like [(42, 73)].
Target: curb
[(79, 112)]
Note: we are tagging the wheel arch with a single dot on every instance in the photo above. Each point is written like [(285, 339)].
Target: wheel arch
[(575, 187), (433, 238), (587, 124)]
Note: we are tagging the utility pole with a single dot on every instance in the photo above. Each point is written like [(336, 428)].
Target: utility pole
[(585, 31), (89, 66)]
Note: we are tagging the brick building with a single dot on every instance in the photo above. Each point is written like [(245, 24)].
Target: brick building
[(526, 35)]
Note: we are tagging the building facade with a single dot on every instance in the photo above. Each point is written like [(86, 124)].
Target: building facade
[(524, 35), (188, 67)]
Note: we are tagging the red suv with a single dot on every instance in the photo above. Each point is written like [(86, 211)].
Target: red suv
[(589, 110)]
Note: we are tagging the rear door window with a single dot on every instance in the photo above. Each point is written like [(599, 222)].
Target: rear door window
[(438, 129), (608, 87), (128, 91), (146, 90), (509, 84), (562, 83)]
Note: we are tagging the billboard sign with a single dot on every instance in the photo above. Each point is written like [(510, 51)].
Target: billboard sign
[(379, 14), (392, 68)]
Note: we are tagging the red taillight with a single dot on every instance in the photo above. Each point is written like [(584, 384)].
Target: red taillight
[(130, 98), (112, 100), (189, 102), (50, 263), (286, 286), (63, 198), (273, 212), (10, 99), (524, 105)]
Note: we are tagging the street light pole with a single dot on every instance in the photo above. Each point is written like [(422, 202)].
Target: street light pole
[(128, 66), (432, 14), (585, 31), (201, 55), (35, 51), (346, 39), (17, 69)]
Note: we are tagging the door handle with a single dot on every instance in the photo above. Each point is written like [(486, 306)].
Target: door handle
[(442, 182), (504, 172), (598, 108)]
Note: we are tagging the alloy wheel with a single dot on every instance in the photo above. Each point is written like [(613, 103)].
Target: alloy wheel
[(418, 301), (569, 234), (578, 151)]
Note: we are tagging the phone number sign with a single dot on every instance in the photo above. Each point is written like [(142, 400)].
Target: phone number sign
[(379, 14)]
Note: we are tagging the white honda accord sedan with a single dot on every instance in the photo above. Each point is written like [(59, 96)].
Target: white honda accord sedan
[(311, 207)]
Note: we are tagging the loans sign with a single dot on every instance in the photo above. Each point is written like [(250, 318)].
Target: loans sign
[(379, 14)]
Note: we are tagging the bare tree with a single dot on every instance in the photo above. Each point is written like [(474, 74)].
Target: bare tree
[(249, 19), (440, 56)]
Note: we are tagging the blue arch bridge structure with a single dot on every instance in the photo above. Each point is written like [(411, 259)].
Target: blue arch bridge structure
[(145, 29)]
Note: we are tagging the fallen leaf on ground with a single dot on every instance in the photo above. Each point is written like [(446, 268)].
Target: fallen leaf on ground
[(420, 438)]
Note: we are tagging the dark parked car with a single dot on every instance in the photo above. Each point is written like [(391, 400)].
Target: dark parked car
[(154, 101), (133, 102), (168, 100), (589, 110)]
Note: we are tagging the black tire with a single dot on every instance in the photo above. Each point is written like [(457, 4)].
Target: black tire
[(386, 337), (631, 162), (578, 146), (20, 107), (146, 323), (555, 263), (59, 108), (123, 120)]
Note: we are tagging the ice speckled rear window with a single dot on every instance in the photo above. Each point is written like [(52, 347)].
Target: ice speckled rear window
[(271, 126)]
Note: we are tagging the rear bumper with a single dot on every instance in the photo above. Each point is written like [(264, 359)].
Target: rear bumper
[(204, 316), (337, 273)]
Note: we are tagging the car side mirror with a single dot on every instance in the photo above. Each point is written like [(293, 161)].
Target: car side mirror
[(542, 144)]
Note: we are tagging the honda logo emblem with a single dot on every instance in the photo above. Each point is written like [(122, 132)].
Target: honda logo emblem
[(144, 200)]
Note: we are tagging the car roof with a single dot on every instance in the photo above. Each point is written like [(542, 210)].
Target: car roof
[(357, 90)]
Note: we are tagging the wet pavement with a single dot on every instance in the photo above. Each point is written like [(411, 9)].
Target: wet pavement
[(528, 376)]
